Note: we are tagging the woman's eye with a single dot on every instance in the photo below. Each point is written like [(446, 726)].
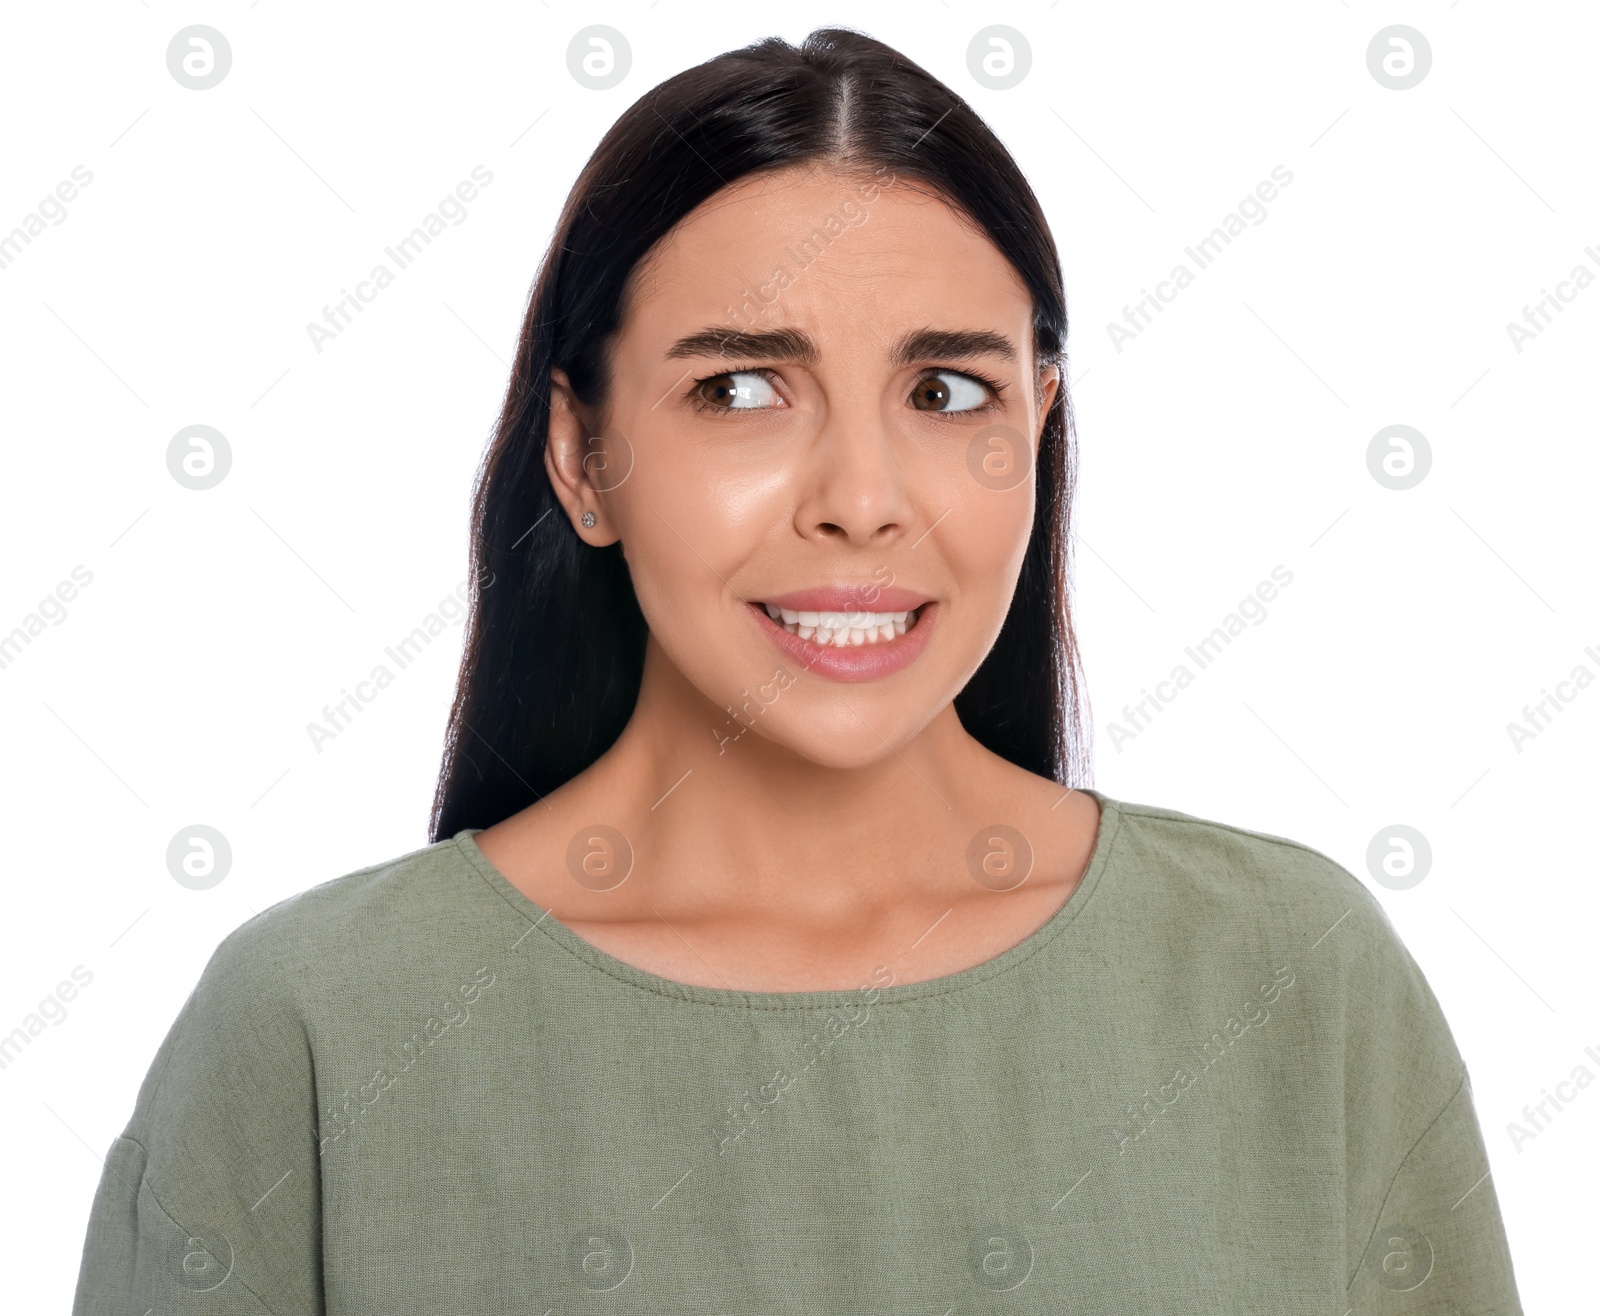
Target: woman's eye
[(948, 391), (738, 390)]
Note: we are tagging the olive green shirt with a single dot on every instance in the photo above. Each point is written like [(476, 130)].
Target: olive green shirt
[(1214, 1081)]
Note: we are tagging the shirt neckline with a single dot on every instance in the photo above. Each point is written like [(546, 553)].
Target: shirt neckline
[(587, 952)]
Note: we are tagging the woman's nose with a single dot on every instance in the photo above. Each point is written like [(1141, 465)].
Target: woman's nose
[(857, 480)]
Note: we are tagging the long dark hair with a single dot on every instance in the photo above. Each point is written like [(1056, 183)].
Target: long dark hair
[(555, 640)]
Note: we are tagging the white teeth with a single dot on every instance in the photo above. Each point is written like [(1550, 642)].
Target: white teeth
[(843, 629)]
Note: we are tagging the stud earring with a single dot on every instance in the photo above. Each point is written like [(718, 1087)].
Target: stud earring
[(588, 518)]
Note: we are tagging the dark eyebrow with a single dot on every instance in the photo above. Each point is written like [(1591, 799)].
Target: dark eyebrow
[(795, 345), (926, 344), (771, 344)]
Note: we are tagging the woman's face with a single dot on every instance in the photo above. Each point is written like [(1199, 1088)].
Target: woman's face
[(823, 399)]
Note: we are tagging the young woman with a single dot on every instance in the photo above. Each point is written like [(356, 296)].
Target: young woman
[(770, 954)]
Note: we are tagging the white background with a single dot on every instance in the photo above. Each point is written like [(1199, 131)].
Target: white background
[(1227, 438)]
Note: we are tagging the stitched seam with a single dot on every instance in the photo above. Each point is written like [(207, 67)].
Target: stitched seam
[(126, 1183), (814, 1007), (1460, 1087), (145, 1180)]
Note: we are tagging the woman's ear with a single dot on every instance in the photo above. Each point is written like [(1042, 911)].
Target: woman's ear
[(566, 457), (1049, 386)]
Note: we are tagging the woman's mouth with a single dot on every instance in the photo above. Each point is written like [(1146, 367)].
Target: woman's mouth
[(848, 645), (844, 629)]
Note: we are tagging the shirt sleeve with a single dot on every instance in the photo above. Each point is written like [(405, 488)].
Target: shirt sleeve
[(210, 1200), (1425, 1235), (1439, 1245)]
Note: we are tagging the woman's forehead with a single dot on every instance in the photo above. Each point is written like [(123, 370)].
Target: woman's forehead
[(800, 247)]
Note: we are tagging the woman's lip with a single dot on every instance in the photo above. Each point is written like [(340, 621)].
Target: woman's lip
[(848, 598), (854, 662)]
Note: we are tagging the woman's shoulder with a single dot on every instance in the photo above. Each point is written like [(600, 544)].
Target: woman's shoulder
[(1211, 898), (1222, 861), (390, 890), (372, 929), (1240, 886)]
